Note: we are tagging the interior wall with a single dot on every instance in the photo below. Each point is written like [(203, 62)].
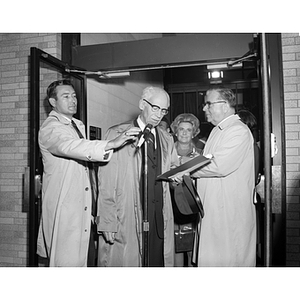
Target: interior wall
[(114, 101)]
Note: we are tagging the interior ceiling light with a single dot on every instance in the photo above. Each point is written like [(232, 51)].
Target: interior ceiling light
[(215, 74)]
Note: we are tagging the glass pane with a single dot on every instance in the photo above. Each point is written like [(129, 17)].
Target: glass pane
[(177, 105), (191, 105)]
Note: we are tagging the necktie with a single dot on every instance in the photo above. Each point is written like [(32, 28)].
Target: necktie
[(77, 129), (151, 140), (91, 172)]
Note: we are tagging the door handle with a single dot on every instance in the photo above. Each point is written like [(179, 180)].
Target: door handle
[(26, 189), (260, 188), (38, 186)]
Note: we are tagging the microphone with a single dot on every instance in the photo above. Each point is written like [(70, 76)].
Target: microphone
[(145, 135)]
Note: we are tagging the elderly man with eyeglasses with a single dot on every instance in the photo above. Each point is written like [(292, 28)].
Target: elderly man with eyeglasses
[(226, 187), (121, 195)]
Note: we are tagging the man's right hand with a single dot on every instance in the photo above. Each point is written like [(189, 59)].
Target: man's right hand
[(130, 134), (109, 236)]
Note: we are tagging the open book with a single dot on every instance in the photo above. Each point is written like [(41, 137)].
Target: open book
[(187, 167)]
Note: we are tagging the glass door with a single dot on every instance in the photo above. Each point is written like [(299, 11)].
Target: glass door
[(44, 69)]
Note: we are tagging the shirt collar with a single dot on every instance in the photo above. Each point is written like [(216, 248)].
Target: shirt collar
[(67, 118), (142, 125), (223, 123), (60, 117)]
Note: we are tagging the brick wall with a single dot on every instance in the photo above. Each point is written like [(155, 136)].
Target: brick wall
[(14, 138), (291, 75)]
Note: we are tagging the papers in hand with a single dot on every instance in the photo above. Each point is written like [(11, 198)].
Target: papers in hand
[(187, 167)]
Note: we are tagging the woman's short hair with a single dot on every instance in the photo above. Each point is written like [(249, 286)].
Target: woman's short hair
[(248, 118), (186, 117)]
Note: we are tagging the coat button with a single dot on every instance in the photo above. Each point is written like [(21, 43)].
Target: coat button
[(85, 208), (86, 188)]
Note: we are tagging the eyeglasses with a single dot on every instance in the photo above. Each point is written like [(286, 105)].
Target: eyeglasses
[(156, 108), (209, 104)]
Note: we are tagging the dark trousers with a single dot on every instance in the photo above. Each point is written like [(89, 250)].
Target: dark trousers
[(156, 247), (92, 257), (155, 213)]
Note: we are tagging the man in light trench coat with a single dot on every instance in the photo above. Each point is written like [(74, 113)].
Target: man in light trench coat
[(226, 187), (120, 195), (65, 229)]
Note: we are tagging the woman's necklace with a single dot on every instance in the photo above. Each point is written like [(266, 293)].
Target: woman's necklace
[(184, 152)]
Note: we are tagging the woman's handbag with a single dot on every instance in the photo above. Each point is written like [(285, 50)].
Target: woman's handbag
[(187, 199), (184, 238), (188, 212)]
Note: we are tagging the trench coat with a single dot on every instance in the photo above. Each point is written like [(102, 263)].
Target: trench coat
[(120, 207), (64, 230), (226, 187)]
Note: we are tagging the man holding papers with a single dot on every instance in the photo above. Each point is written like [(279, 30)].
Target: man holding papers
[(225, 186)]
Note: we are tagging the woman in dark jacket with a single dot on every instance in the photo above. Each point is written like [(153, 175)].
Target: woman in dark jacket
[(185, 127)]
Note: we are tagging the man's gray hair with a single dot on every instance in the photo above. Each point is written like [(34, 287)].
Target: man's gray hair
[(151, 91), (225, 94)]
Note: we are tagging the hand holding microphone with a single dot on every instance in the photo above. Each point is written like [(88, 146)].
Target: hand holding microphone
[(145, 135)]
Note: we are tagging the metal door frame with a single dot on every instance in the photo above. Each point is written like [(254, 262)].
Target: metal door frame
[(274, 167), (38, 56)]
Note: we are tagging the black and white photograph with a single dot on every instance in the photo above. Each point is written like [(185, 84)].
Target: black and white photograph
[(156, 149)]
